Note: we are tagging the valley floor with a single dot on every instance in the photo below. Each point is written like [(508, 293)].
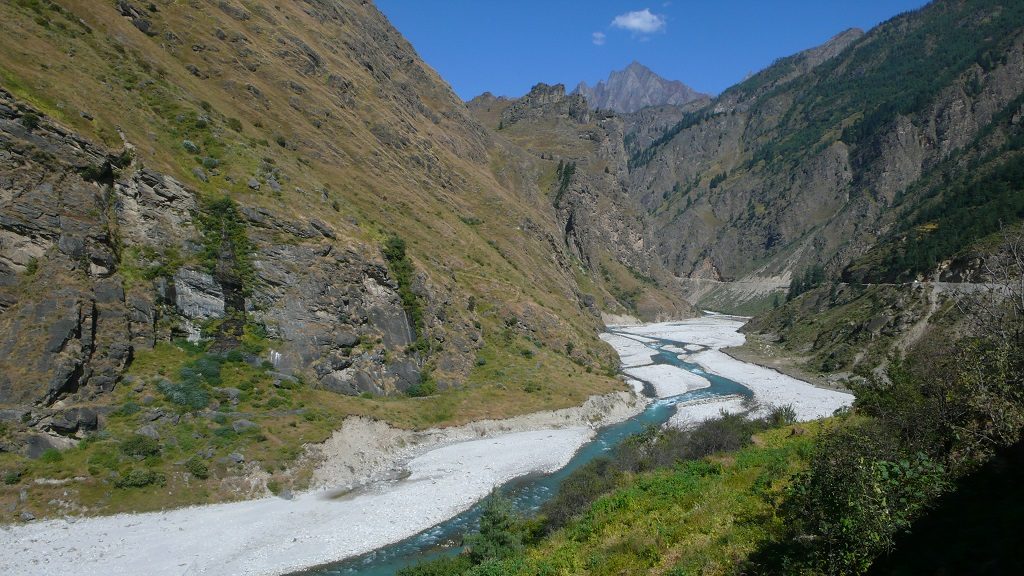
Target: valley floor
[(701, 341), (421, 478), (418, 480)]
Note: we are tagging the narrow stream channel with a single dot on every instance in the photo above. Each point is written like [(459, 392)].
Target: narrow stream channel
[(529, 492)]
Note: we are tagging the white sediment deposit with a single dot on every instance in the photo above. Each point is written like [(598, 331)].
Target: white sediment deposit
[(406, 481), (668, 380), (443, 472), (699, 340)]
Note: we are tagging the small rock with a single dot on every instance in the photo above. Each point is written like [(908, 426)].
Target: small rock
[(242, 425), (149, 431), (231, 394), (147, 399), (254, 184), (236, 458), (85, 115), (200, 174), (274, 184), (27, 516), (154, 415)]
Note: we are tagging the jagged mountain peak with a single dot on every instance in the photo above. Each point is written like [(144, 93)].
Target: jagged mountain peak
[(635, 87)]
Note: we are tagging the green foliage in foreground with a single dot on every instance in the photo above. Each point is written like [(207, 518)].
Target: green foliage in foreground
[(617, 514), (829, 497)]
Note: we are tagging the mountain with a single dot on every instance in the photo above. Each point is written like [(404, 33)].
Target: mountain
[(815, 159), (232, 222), (636, 87)]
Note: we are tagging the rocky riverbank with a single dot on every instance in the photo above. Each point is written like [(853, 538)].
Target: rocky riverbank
[(418, 478)]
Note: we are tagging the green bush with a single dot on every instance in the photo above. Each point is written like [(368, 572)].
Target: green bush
[(30, 120), (126, 409), (140, 477), (197, 467), (139, 446), (426, 387), (188, 393), (402, 269), (501, 535), (858, 494), (51, 456)]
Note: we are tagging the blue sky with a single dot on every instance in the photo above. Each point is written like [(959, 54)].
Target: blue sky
[(507, 47)]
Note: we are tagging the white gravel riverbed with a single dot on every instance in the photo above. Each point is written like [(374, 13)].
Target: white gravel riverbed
[(447, 472), (699, 341)]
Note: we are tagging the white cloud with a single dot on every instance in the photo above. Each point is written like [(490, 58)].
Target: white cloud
[(598, 38), (640, 22)]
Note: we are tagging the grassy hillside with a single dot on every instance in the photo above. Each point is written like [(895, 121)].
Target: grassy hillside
[(230, 97), (845, 495), (309, 136)]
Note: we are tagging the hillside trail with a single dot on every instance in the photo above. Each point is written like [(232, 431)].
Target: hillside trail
[(916, 332)]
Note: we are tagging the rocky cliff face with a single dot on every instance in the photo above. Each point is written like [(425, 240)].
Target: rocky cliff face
[(546, 101), (236, 170), (634, 88), (87, 279), (581, 168), (761, 183)]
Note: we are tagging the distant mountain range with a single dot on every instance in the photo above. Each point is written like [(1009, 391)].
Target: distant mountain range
[(634, 88)]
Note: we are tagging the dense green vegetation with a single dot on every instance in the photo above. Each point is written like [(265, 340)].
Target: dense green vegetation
[(950, 218), (737, 496), (563, 175), (890, 85), (671, 458), (227, 251), (404, 273), (810, 279)]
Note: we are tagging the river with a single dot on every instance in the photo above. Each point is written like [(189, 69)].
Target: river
[(528, 493)]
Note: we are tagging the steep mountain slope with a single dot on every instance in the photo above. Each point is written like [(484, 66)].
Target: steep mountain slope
[(803, 163), (581, 168), (636, 87), (288, 184)]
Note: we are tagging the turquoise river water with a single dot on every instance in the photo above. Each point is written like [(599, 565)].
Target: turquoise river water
[(529, 492)]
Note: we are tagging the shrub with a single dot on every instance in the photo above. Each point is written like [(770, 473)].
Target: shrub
[(188, 393), (447, 566), (30, 120), (139, 446), (126, 409), (12, 477), (139, 477), (857, 495), (426, 387), (51, 456), (197, 467), (500, 535)]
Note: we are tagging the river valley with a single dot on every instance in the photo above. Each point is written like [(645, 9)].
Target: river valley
[(422, 513)]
